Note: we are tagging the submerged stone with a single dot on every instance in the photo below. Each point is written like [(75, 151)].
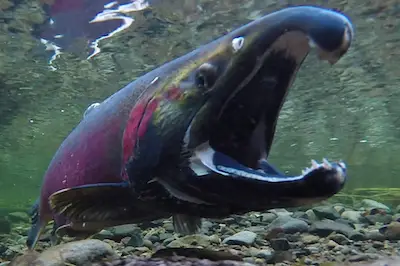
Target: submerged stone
[(241, 238)]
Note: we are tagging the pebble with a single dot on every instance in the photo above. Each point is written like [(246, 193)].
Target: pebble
[(309, 239), (326, 212), (391, 231), (340, 239), (325, 227), (241, 238), (331, 244), (122, 231), (288, 225), (353, 216), (84, 252), (368, 203), (311, 215), (196, 240), (280, 244), (265, 254), (268, 217), (103, 234), (379, 218)]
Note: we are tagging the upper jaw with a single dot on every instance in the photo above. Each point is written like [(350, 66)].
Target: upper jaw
[(251, 78), (280, 48)]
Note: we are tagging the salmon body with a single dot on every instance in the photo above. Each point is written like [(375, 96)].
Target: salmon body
[(191, 138)]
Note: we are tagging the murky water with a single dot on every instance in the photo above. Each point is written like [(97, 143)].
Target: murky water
[(58, 57)]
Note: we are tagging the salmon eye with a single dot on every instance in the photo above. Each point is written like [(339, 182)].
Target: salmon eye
[(206, 76), (237, 44)]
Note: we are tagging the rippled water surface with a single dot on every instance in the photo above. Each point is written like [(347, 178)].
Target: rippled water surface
[(59, 56)]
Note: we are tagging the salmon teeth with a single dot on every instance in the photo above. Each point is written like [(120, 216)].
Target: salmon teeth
[(314, 164), (306, 170), (326, 164)]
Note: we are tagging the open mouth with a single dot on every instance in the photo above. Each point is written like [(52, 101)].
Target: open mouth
[(229, 157), (245, 127)]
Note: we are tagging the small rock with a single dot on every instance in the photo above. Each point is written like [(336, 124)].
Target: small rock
[(391, 231), (82, 252), (249, 260), (346, 222), (368, 203), (128, 250), (215, 239), (340, 239), (300, 214), (362, 257), (281, 212), (103, 234), (164, 236), (353, 216), (256, 229), (311, 215), (345, 250), (326, 212), (356, 236), (313, 249), (177, 243), (147, 243), (125, 230), (378, 244), (280, 244), (268, 217), (326, 227), (396, 217), (331, 244), (282, 256), (379, 218), (195, 240), (241, 238), (309, 239), (265, 254), (298, 253), (340, 209), (288, 225), (135, 240)]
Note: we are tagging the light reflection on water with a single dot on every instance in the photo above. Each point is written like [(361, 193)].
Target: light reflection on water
[(91, 20)]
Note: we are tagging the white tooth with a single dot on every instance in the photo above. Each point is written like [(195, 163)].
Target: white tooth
[(314, 164), (326, 164), (342, 164), (303, 172), (326, 161)]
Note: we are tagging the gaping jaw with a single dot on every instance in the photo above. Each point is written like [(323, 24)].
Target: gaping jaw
[(246, 76), (241, 131), (245, 125)]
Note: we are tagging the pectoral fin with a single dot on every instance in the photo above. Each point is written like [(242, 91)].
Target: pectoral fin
[(97, 203), (185, 224)]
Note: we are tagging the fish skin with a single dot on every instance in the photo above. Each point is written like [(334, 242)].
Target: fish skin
[(102, 148)]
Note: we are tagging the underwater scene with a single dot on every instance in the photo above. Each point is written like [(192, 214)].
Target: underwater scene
[(199, 132)]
